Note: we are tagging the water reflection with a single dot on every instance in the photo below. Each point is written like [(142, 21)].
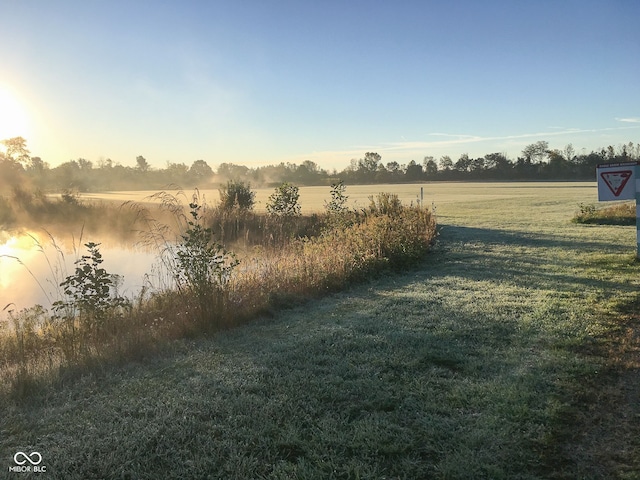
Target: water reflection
[(33, 264)]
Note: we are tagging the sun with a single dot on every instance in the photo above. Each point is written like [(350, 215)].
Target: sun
[(14, 121)]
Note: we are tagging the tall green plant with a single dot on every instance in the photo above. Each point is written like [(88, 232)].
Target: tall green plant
[(203, 267), (338, 214), (90, 300), (338, 203), (237, 194), (284, 201)]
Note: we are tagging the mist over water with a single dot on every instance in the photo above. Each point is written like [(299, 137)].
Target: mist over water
[(33, 264)]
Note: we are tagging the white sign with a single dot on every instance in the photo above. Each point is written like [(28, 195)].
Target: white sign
[(616, 181)]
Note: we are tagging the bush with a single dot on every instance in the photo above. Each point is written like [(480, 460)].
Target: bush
[(284, 201), (338, 203), (385, 204), (237, 194), (91, 302), (203, 268)]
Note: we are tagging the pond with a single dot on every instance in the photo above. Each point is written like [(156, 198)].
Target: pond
[(33, 264)]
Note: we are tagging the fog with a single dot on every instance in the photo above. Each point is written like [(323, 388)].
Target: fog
[(34, 263)]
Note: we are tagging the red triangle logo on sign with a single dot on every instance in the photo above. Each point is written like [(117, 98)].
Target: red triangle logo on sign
[(616, 180)]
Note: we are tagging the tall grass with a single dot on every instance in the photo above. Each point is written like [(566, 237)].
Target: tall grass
[(205, 288), (617, 214)]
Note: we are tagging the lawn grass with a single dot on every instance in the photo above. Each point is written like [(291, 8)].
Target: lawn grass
[(493, 358)]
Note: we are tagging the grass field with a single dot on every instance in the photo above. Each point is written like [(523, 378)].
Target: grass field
[(312, 199), (510, 352)]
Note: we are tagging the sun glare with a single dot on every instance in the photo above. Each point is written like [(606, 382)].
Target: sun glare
[(14, 121)]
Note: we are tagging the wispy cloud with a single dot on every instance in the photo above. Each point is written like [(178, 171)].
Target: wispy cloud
[(441, 143), (629, 119), (450, 140)]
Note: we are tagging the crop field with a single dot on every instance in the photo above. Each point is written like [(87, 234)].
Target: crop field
[(511, 352)]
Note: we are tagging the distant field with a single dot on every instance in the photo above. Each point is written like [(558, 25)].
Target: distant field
[(511, 352), (312, 199)]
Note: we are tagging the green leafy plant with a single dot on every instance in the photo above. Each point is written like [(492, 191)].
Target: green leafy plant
[(203, 267), (338, 203), (91, 301), (237, 194), (284, 201)]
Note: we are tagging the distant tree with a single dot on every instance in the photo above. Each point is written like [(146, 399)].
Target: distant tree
[(463, 164), (446, 163), (84, 164), (16, 150), (498, 164), (177, 169), (569, 153), (535, 152), (305, 173), (477, 164), (37, 165), (370, 162), (312, 167), (634, 151), (68, 176), (429, 166), (200, 171), (142, 164), (393, 167), (413, 172), (232, 171), (559, 166)]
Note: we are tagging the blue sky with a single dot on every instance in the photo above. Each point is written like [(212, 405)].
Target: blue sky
[(258, 82)]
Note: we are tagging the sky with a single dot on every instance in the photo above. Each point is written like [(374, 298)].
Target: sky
[(258, 82)]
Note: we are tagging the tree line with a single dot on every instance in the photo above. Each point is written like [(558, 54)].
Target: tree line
[(536, 162)]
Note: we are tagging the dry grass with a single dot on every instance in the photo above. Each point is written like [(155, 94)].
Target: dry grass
[(617, 214)]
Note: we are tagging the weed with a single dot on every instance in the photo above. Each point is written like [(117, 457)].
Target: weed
[(618, 214), (91, 303), (203, 268), (237, 194), (284, 201), (338, 203)]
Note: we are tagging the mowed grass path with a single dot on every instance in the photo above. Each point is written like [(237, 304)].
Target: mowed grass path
[(485, 361)]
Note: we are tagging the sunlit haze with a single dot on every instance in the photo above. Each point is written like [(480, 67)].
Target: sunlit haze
[(256, 82), (14, 120)]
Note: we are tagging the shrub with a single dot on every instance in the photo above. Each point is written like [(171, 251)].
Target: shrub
[(385, 204), (237, 194), (284, 201), (338, 203), (198, 267), (91, 302), (203, 268)]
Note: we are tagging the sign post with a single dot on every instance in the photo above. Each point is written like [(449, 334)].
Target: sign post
[(621, 181)]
